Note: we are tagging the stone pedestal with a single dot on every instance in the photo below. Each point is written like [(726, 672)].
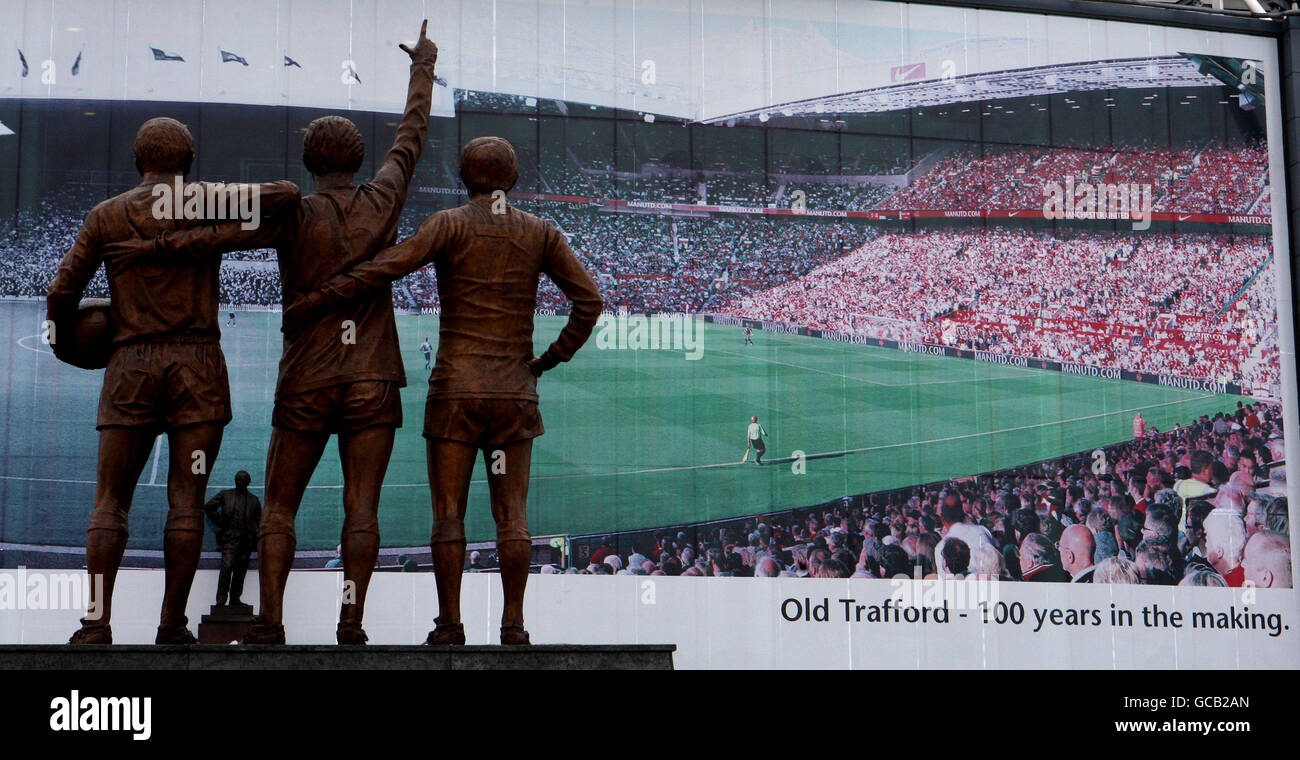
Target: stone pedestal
[(302, 657), (225, 623)]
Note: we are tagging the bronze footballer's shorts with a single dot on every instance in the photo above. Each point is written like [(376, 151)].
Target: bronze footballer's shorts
[(482, 422), (340, 408), (165, 385)]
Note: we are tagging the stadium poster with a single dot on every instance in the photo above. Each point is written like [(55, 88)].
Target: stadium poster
[(1004, 296)]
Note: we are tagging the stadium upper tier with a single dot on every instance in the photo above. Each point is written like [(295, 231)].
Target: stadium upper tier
[(1212, 179), (1181, 70)]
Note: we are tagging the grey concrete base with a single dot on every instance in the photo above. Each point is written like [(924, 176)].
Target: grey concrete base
[(536, 657)]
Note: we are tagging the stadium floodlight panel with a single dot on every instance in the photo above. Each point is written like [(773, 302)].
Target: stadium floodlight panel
[(1126, 73), (1239, 75)]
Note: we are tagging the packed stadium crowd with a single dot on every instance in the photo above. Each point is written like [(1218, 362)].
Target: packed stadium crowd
[(965, 181), (1215, 178), (651, 188), (33, 246), (1160, 303), (1199, 505), (258, 284), (1197, 305), (40, 235), (831, 196), (1221, 179), (651, 262)]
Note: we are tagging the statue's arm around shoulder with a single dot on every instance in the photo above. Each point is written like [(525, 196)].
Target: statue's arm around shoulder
[(438, 233), (277, 201)]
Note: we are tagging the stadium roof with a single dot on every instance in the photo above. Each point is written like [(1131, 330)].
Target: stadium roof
[(1122, 73)]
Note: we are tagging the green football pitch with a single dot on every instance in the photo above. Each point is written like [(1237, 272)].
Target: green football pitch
[(634, 439)]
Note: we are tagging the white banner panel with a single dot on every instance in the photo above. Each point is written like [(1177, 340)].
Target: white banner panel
[(768, 623)]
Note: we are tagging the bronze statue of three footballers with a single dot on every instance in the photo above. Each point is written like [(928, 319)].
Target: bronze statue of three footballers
[(341, 367)]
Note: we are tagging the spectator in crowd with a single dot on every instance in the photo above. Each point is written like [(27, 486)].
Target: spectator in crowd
[(606, 549), (986, 562), (1077, 547), (1203, 578), (1129, 534), (1025, 522), (1235, 492), (1267, 560), (1116, 570), (894, 562), (1195, 558), (1107, 546), (926, 552), (1158, 562), (1198, 485), (954, 558), (1160, 522), (1279, 520), (833, 568), (1099, 521), (1257, 512), (1039, 560), (1225, 538)]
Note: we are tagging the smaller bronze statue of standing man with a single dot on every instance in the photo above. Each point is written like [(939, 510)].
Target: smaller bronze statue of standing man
[(236, 513)]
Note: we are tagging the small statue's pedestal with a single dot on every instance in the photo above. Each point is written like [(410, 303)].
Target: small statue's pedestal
[(226, 623)]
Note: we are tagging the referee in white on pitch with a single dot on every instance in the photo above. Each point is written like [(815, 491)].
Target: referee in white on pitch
[(755, 436)]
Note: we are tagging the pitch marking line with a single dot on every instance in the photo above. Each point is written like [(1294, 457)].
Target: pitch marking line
[(157, 452), (21, 344)]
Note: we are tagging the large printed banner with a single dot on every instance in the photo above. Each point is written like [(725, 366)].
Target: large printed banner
[(895, 295)]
